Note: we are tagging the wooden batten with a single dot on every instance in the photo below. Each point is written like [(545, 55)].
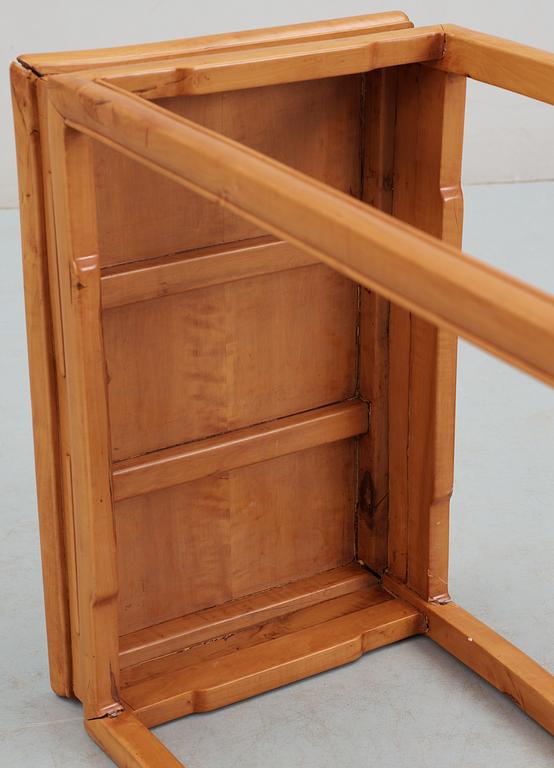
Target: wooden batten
[(191, 270), (172, 636), (230, 71), (71, 61), (292, 647), (183, 464)]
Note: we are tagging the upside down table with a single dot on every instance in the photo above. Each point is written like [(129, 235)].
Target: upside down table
[(243, 292)]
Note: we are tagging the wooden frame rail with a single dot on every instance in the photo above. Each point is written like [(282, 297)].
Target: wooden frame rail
[(172, 636), (285, 63), (492, 60), (55, 63), (498, 313)]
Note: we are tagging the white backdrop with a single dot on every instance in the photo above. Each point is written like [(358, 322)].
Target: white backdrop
[(508, 137)]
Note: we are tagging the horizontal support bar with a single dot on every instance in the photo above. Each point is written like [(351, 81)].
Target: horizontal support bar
[(71, 61), (292, 656), (183, 463), (426, 276), (513, 66), (495, 659), (191, 657), (172, 636), (288, 63), (167, 275)]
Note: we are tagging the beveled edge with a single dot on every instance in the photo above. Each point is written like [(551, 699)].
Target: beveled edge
[(72, 61)]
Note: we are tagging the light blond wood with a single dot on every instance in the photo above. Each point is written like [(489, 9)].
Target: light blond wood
[(154, 278), (42, 378), (50, 63), (296, 654), (269, 524), (230, 70), (89, 459), (496, 312), (215, 455), (129, 744), (171, 636), (499, 62), (503, 665)]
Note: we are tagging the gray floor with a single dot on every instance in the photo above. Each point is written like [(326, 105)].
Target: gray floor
[(406, 705)]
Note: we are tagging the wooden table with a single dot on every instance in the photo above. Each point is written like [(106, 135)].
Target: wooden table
[(244, 288)]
